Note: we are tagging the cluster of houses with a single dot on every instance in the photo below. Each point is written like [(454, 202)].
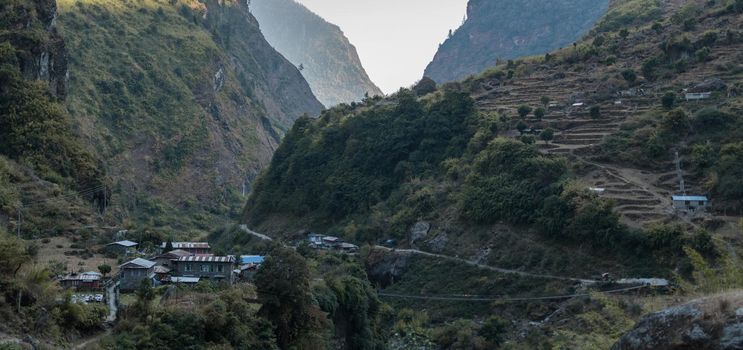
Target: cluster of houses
[(319, 241), (185, 263), (177, 263)]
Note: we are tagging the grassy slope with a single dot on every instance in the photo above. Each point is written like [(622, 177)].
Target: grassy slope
[(186, 107)]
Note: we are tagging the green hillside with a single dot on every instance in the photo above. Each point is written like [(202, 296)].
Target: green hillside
[(562, 164), (185, 101)]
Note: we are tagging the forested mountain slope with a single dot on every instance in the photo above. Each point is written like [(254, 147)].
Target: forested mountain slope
[(503, 29), (185, 101), (328, 60), (42, 160), (562, 164)]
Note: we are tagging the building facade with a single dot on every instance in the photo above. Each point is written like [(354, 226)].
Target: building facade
[(132, 273), (210, 267)]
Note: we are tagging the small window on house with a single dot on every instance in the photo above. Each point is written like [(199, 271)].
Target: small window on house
[(211, 268), (220, 268), (189, 267), (204, 268), (701, 203), (688, 203)]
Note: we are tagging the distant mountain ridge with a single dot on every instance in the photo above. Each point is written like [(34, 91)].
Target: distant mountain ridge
[(507, 29), (327, 59)]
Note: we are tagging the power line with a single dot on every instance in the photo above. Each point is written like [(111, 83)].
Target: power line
[(70, 196), (501, 299)]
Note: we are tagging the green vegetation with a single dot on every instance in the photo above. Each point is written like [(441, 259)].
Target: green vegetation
[(624, 14), (30, 299)]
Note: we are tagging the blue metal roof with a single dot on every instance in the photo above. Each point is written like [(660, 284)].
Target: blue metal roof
[(690, 198), (251, 259)]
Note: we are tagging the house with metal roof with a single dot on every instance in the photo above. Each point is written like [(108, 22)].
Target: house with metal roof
[(90, 280), (191, 247), (209, 267), (166, 259), (132, 273), (251, 259), (122, 247), (690, 203)]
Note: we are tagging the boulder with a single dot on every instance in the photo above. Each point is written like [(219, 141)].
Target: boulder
[(704, 324)]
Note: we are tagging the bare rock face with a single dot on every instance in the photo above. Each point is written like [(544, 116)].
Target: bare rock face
[(385, 267), (327, 59), (506, 29), (707, 324), (419, 231), (40, 59)]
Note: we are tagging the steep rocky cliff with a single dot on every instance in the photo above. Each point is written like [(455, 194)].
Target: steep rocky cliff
[(329, 62), (31, 29), (42, 161), (503, 29), (184, 99)]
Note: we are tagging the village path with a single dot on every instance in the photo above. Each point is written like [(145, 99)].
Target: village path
[(256, 234), (488, 267), (113, 308)]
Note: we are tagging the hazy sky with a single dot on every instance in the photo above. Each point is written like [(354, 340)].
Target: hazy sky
[(395, 39)]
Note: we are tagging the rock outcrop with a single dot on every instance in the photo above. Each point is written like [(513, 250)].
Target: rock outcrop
[(506, 29), (708, 324), (327, 59), (39, 46)]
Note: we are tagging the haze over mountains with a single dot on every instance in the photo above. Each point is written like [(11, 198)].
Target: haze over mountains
[(327, 59)]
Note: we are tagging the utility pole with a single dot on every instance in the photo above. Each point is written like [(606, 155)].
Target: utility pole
[(680, 175), (18, 225)]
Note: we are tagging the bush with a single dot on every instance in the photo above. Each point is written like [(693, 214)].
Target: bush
[(524, 110), (595, 112), (629, 75), (539, 113), (676, 122), (668, 100)]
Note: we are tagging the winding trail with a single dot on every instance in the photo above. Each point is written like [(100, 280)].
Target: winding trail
[(491, 268), (253, 233)]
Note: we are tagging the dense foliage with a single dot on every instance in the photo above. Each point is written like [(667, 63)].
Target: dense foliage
[(35, 130), (344, 164)]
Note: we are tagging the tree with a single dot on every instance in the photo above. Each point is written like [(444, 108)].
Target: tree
[(169, 245), (145, 294), (547, 135), (105, 269), (539, 113), (521, 126), (283, 286), (425, 86), (676, 122), (629, 75), (624, 33), (595, 112), (494, 330), (545, 101), (668, 100), (702, 54), (524, 110)]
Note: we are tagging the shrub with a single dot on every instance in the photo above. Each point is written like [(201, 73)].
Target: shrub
[(668, 100), (595, 112), (524, 110), (539, 113), (629, 75), (676, 122)]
